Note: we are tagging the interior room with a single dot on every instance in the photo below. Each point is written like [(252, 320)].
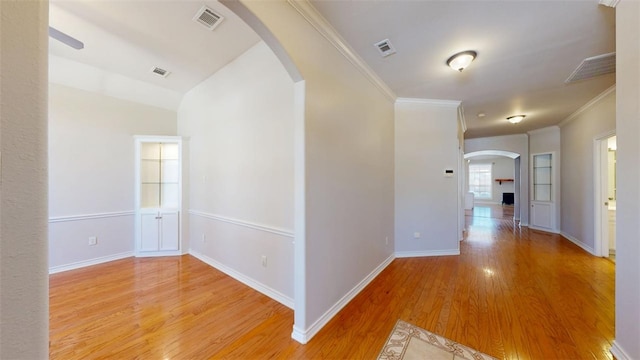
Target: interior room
[(314, 179)]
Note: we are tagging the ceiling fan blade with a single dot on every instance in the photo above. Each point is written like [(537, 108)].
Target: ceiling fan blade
[(60, 36)]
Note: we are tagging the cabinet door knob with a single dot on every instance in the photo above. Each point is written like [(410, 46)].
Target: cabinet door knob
[(158, 217)]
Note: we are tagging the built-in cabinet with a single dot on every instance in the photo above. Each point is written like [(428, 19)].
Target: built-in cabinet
[(543, 197), (158, 195)]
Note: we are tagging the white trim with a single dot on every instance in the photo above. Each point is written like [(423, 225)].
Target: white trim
[(313, 17), (303, 336), (57, 219), (601, 238), (252, 283), (609, 3), (269, 229), (436, 102), (579, 243), (586, 106), (409, 254), (547, 230), (85, 263), (617, 351)]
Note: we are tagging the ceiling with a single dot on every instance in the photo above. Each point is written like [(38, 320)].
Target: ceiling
[(131, 37), (526, 49)]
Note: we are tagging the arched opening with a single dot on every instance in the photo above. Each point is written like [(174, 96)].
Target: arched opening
[(505, 173)]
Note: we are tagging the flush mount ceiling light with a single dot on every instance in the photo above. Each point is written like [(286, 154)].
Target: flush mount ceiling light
[(461, 60), (515, 118)]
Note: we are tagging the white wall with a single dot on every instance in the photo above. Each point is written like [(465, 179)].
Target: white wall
[(24, 283), (425, 200), (548, 140), (626, 344), (349, 169), (514, 143), (240, 125), (502, 168), (91, 173), (577, 172)]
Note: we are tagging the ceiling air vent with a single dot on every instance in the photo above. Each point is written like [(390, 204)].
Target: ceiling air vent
[(594, 66), (385, 47), (208, 18), (159, 71)]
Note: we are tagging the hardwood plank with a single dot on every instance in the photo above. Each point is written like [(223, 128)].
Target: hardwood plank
[(512, 293)]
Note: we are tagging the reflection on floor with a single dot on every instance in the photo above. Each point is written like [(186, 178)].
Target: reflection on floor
[(491, 211)]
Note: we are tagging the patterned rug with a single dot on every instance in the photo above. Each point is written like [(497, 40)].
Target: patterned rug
[(409, 342)]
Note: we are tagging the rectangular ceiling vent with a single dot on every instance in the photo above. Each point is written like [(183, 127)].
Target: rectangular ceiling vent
[(159, 71), (208, 18), (385, 48), (594, 66)]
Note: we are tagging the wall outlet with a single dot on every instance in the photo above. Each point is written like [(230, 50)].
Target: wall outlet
[(386, 240), (93, 240), (204, 238), (416, 235), (264, 260)]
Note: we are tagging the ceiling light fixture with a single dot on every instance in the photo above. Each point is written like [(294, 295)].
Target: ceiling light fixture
[(461, 60), (515, 118)]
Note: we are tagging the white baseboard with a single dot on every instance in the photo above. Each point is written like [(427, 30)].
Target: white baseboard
[(252, 283), (303, 336), (618, 352), (552, 231), (85, 263), (584, 247), (408, 254)]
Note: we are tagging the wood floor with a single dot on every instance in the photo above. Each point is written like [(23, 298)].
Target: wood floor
[(512, 293)]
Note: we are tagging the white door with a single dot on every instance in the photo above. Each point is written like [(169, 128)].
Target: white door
[(149, 232), (543, 196), (169, 230)]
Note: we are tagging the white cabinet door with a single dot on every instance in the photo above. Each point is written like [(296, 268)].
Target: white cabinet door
[(169, 230), (149, 232), (542, 215)]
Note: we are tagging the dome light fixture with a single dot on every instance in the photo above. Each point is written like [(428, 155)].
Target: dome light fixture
[(461, 60), (515, 118)]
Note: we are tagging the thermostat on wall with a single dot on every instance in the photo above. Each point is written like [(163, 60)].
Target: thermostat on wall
[(448, 173)]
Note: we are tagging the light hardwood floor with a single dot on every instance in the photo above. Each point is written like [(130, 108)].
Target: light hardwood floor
[(512, 293)]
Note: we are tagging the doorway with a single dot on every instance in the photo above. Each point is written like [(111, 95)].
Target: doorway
[(605, 196)]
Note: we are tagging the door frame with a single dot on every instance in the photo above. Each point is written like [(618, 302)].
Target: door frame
[(600, 218)]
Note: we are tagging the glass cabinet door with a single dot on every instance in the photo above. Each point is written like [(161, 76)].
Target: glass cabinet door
[(542, 180), (159, 175)]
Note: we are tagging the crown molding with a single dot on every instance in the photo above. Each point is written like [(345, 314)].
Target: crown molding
[(587, 106), (313, 17), (609, 3), (436, 102)]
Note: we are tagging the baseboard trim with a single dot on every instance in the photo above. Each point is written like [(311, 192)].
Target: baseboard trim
[(256, 285), (619, 353), (533, 227), (303, 336), (410, 254), (269, 229), (584, 247), (57, 219), (90, 262)]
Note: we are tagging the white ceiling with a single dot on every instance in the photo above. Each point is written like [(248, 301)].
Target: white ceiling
[(131, 37), (526, 49)]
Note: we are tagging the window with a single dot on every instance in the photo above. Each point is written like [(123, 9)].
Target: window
[(480, 180)]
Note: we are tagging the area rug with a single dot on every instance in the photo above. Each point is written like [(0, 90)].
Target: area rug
[(409, 342)]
